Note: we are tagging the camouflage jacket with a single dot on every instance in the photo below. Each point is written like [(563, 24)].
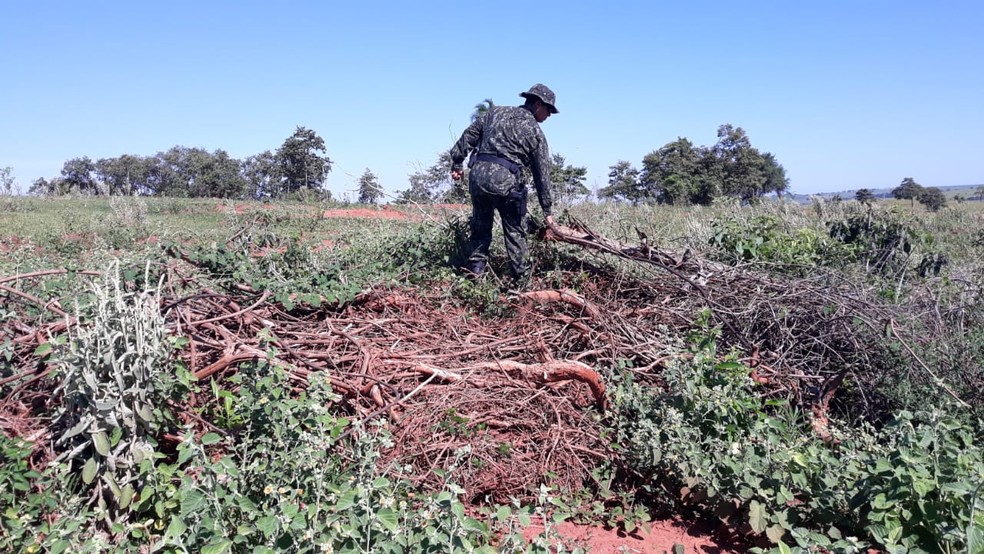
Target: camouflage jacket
[(509, 132)]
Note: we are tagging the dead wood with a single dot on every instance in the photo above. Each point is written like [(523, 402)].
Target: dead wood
[(512, 399)]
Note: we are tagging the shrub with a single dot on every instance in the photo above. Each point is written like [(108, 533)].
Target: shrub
[(711, 442), (115, 389), (767, 239)]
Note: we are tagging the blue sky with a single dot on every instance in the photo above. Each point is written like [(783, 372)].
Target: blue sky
[(846, 94)]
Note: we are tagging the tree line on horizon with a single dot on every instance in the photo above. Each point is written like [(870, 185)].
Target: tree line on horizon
[(300, 164), (678, 173), (932, 198)]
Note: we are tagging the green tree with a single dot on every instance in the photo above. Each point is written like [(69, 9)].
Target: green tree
[(419, 191), (219, 176), (864, 196), (44, 187), (933, 198), (742, 167), (164, 174), (369, 188), (6, 181), (623, 183), (126, 174), (304, 162), (567, 180), (775, 175), (262, 175), (980, 193), (908, 189), (672, 174), (79, 175), (195, 172), (481, 109), (434, 184)]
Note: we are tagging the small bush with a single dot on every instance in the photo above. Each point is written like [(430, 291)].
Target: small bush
[(115, 391), (711, 442)]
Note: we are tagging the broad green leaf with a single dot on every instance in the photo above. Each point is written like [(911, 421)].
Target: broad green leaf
[(757, 516), (89, 471), (524, 519), (211, 438), (346, 501), (798, 459), (380, 483), (101, 442), (113, 485), (472, 525), (76, 429), (775, 533), (175, 529), (503, 513), (218, 546), (126, 495), (975, 537), (145, 413), (185, 453), (115, 437), (43, 349), (923, 486), (267, 525), (878, 531), (389, 519), (192, 502), (894, 531)]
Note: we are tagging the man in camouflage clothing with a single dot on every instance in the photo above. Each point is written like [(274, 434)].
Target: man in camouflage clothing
[(507, 139)]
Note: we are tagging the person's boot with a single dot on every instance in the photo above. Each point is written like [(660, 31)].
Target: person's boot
[(519, 283), (474, 270)]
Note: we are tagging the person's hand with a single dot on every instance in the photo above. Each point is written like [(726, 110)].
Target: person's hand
[(550, 221), (457, 174)]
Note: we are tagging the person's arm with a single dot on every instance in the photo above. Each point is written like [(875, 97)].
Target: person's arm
[(540, 164), (468, 141)]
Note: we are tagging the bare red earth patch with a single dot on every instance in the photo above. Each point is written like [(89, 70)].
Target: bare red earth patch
[(660, 537), (366, 213)]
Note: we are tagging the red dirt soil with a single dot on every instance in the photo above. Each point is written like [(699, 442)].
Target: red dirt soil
[(367, 213), (660, 537)]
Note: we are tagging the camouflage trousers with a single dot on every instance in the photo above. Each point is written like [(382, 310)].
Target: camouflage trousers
[(512, 212)]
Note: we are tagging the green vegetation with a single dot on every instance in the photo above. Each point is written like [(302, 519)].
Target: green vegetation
[(886, 455), (680, 173)]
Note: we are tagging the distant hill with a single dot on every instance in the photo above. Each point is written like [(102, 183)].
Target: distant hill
[(967, 191)]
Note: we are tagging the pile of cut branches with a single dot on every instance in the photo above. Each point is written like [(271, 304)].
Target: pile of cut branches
[(509, 399)]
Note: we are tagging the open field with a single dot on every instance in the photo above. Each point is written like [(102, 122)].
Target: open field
[(209, 376)]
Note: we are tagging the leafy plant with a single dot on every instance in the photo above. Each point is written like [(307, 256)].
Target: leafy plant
[(711, 442), (115, 390), (767, 239)]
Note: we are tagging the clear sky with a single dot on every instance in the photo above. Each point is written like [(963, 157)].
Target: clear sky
[(846, 94)]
